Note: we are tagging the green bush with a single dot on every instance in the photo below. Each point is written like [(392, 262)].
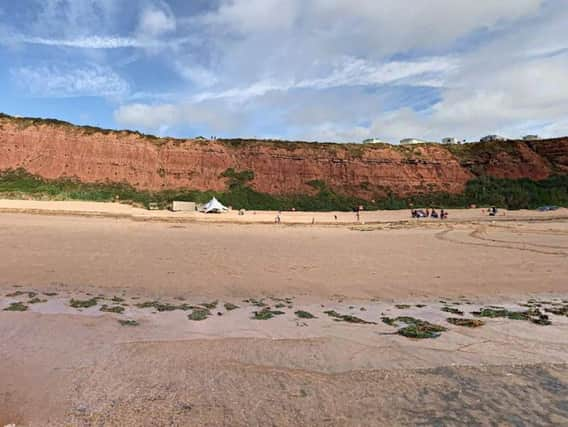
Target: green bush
[(483, 191)]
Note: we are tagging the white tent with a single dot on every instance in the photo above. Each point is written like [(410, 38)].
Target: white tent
[(214, 206)]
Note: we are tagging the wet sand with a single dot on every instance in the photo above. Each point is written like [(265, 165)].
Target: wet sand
[(61, 365)]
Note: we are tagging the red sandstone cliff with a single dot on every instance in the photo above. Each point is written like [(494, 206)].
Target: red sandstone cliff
[(56, 150)]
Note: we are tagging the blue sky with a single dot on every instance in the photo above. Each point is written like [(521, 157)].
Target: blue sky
[(325, 70)]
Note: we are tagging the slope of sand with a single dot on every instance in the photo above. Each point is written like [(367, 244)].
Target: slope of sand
[(61, 365)]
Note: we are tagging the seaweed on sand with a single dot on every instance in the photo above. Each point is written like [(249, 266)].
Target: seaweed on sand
[(415, 328), (210, 305), (128, 322), (164, 306), (16, 306), (304, 314), (76, 303), (559, 310), (256, 302), (116, 309), (198, 314), (30, 294), (229, 306), (347, 318), (452, 310), (468, 323), (266, 313), (533, 315)]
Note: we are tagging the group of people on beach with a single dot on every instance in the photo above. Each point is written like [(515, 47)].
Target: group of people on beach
[(420, 213)]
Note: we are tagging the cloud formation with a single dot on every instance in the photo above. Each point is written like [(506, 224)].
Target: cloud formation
[(316, 69), (68, 81)]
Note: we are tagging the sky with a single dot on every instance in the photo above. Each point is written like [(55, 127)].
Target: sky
[(317, 70)]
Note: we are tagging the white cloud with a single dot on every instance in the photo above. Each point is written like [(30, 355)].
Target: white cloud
[(70, 19), (70, 81), (347, 72), (147, 116), (92, 42), (341, 69), (511, 99), (100, 42), (216, 117), (248, 16), (97, 24), (197, 74), (156, 20)]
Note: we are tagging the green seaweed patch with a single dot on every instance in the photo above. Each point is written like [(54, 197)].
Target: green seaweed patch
[(115, 309), (117, 299), (494, 312), (16, 306), (50, 294), (402, 306), (347, 318), (77, 303), (256, 302), (468, 323), (266, 313), (416, 328), (558, 310), (305, 314), (198, 314), (161, 307), (286, 300), (230, 307), (452, 310), (210, 305), (533, 315), (280, 305), (30, 294), (124, 322), (543, 320), (36, 300), (420, 305)]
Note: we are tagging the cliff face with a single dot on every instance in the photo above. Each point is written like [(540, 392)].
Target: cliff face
[(59, 150)]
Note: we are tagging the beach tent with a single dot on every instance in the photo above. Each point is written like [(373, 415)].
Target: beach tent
[(214, 206)]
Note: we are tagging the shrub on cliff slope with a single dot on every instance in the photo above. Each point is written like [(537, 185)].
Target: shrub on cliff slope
[(485, 191)]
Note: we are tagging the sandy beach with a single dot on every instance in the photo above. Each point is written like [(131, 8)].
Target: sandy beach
[(110, 333), (125, 211)]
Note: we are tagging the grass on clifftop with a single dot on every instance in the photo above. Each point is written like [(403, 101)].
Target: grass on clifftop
[(484, 191)]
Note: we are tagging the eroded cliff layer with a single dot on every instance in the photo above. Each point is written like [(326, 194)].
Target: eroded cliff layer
[(55, 150)]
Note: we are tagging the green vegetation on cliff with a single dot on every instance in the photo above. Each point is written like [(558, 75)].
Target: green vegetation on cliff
[(483, 191)]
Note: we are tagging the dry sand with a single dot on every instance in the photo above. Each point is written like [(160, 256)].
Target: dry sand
[(118, 210), (65, 366)]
